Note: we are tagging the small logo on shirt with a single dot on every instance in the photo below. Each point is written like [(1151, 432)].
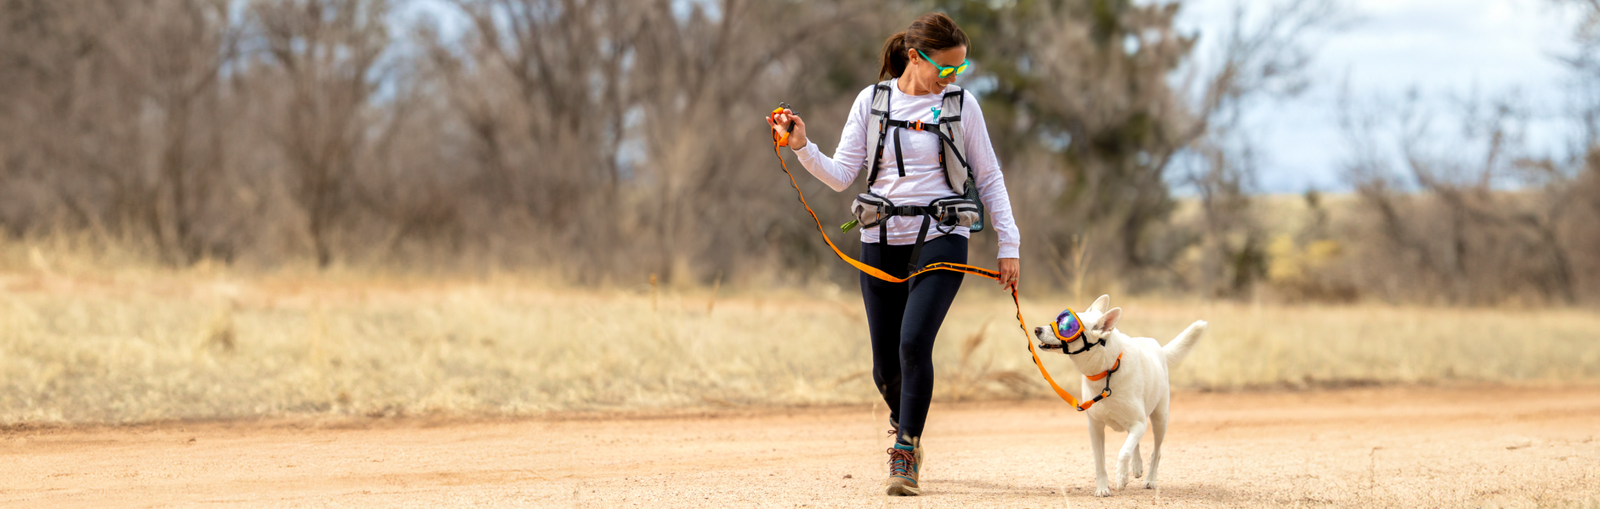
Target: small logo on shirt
[(935, 114)]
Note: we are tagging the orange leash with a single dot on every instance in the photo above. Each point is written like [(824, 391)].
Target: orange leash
[(781, 139)]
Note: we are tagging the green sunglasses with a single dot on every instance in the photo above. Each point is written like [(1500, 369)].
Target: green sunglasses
[(945, 72)]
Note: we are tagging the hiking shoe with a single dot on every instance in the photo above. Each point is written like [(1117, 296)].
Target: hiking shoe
[(904, 461)]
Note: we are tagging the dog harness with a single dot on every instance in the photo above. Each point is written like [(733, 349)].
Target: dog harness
[(779, 139)]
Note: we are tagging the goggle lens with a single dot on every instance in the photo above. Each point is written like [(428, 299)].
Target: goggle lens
[(1067, 325)]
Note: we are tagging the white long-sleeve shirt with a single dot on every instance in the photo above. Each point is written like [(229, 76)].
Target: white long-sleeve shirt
[(924, 179)]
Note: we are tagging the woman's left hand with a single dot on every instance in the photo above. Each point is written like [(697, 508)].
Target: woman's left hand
[(1010, 271)]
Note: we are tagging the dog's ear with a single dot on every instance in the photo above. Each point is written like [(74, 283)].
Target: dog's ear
[(1101, 304), (1109, 321)]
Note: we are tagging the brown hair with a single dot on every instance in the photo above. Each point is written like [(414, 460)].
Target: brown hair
[(930, 33)]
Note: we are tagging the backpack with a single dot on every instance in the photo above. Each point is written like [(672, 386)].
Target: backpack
[(964, 208)]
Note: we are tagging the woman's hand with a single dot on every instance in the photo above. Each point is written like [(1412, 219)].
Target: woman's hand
[(797, 139), (1010, 271)]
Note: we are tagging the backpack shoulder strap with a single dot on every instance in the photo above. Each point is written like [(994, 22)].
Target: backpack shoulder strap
[(950, 110), (879, 115), (957, 174)]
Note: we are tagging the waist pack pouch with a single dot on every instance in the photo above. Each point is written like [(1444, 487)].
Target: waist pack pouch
[(957, 211), (871, 209), (972, 195)]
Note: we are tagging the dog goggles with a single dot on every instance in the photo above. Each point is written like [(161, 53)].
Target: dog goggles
[(946, 72), (1068, 327)]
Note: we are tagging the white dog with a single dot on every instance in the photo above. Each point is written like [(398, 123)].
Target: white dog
[(1130, 372)]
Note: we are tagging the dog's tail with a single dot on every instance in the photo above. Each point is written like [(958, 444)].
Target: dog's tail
[(1179, 347)]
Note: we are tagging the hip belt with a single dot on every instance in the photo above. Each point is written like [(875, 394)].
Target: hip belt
[(872, 209)]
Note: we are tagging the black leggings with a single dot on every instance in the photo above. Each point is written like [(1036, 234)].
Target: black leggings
[(903, 319)]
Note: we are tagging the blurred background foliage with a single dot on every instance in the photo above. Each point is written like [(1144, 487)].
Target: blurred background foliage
[(603, 141)]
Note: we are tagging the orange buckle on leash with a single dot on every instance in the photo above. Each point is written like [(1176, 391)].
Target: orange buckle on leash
[(917, 124)]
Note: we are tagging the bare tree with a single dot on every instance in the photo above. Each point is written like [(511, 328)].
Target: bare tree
[(602, 123), (328, 54), (122, 100), (1093, 81), (1450, 225), (71, 135), (174, 52)]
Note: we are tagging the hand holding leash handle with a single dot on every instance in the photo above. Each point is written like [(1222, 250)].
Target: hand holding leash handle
[(787, 127)]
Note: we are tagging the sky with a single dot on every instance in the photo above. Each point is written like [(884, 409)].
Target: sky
[(1442, 48)]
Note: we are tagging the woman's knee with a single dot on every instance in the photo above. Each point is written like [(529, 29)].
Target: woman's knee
[(914, 354)]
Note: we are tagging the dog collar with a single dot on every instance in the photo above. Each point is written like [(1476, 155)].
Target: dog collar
[(1106, 392)]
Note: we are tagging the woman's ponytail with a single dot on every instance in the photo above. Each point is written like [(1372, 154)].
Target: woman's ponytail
[(894, 57), (931, 32)]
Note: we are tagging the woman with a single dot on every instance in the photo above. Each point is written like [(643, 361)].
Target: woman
[(904, 318)]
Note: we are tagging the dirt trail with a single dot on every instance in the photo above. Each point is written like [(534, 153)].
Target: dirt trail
[(1409, 447)]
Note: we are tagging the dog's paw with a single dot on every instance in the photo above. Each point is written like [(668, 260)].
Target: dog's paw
[(1102, 492), (1150, 484), (1138, 468), (1122, 481)]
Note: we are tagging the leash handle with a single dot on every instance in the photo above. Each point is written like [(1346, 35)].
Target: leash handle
[(781, 138)]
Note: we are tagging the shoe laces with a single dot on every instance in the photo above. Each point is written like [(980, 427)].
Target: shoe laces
[(901, 461)]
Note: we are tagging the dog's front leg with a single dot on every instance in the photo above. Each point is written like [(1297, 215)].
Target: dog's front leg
[(1097, 443), (1129, 450)]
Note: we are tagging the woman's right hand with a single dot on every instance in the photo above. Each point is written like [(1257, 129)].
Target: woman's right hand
[(780, 121)]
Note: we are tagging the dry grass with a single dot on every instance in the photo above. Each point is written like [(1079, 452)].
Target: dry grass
[(80, 345)]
